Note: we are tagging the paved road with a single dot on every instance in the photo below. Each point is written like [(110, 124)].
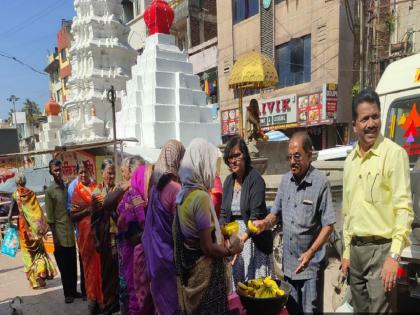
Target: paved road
[(48, 301)]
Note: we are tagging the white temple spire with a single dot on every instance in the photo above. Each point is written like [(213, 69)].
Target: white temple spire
[(100, 57)]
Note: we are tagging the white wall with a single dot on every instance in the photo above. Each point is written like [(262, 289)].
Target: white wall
[(204, 60)]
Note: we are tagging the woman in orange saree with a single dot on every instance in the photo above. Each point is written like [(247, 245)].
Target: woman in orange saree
[(81, 214), (32, 227)]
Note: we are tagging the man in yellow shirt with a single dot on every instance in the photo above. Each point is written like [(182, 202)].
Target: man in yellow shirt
[(377, 209)]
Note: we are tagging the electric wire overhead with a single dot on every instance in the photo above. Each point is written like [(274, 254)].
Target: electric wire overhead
[(4, 55), (30, 20)]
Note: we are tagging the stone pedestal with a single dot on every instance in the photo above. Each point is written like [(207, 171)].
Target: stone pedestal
[(276, 154)]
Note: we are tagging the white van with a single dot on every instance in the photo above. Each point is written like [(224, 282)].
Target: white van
[(399, 92)]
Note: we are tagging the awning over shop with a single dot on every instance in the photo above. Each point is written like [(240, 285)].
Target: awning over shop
[(253, 70)]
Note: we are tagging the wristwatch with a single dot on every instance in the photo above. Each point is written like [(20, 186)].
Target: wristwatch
[(395, 257)]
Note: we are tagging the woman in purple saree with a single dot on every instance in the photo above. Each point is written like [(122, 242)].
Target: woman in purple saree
[(130, 223), (157, 238)]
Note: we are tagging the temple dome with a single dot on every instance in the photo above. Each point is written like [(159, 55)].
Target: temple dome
[(159, 17), (52, 108)]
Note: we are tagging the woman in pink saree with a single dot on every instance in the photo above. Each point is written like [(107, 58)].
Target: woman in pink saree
[(130, 223)]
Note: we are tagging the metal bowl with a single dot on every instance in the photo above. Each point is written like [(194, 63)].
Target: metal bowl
[(266, 306)]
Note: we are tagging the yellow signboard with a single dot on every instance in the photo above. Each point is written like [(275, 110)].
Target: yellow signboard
[(417, 78)]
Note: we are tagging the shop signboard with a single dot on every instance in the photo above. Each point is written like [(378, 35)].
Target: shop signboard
[(318, 108), (309, 109), (279, 112), (230, 122), (330, 91)]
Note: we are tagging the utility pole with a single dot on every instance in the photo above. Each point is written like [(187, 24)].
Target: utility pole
[(112, 96), (14, 99), (362, 45)]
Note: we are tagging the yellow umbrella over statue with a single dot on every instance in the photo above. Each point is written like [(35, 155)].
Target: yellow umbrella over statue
[(252, 70)]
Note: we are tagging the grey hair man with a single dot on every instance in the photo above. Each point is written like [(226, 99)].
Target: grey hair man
[(303, 206)]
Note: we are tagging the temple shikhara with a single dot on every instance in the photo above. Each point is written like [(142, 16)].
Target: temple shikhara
[(100, 57)]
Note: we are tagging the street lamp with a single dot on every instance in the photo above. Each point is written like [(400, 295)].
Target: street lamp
[(112, 96), (14, 99)]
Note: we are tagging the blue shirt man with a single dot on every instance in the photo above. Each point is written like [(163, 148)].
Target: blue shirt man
[(70, 191), (303, 206)]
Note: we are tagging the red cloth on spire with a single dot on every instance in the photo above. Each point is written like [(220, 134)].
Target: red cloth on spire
[(159, 17)]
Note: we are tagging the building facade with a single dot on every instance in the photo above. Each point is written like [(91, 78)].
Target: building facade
[(58, 64), (311, 45), (195, 31), (406, 31), (394, 31)]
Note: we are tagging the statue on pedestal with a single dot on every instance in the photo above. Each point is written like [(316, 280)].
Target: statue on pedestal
[(253, 70), (253, 127)]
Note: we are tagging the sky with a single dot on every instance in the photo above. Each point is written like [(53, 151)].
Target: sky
[(28, 32)]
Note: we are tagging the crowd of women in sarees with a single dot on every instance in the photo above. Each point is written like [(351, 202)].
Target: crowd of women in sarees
[(152, 244), (201, 259)]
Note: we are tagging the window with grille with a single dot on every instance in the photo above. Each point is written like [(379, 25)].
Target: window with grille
[(293, 61)]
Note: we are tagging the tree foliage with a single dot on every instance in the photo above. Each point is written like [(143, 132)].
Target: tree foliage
[(32, 111)]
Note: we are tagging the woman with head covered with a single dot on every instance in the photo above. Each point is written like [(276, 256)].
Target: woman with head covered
[(131, 216), (157, 238), (202, 279)]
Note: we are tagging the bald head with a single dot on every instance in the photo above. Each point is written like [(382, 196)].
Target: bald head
[(303, 138), (300, 153)]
